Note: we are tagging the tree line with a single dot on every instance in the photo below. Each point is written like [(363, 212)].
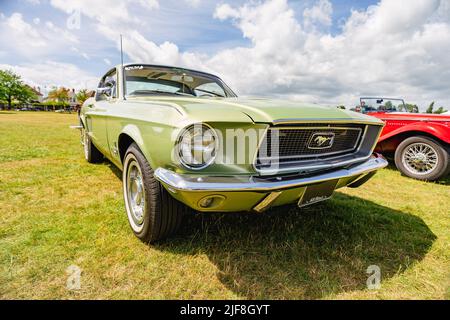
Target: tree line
[(14, 91)]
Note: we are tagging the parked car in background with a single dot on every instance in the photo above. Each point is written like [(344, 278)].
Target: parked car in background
[(418, 142), (183, 139)]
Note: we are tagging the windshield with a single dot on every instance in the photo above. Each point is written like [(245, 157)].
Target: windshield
[(382, 105), (155, 80)]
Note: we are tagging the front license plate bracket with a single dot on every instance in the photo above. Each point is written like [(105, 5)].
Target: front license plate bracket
[(317, 193)]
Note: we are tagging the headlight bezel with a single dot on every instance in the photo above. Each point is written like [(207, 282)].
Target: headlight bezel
[(180, 144)]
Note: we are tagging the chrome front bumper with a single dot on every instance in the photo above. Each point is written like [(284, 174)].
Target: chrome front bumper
[(244, 193)]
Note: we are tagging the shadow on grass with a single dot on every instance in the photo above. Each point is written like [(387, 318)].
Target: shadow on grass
[(305, 254)]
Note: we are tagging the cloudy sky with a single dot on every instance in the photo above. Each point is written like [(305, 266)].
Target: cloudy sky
[(315, 50)]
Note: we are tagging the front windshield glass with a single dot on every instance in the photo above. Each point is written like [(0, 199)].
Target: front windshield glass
[(382, 105), (149, 80)]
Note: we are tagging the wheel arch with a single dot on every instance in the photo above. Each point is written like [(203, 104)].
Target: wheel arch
[(131, 134), (390, 144)]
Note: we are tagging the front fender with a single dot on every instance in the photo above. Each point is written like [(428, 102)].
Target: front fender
[(440, 131), (135, 133)]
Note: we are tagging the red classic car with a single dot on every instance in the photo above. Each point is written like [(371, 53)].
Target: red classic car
[(419, 142)]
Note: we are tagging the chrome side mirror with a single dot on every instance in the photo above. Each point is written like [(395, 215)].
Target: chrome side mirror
[(104, 90)]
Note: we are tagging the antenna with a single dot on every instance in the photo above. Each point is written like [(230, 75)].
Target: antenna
[(122, 71), (121, 51)]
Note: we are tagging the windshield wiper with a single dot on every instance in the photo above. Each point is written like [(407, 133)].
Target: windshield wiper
[(210, 92)]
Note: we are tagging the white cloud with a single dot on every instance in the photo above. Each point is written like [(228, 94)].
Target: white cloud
[(107, 61), (33, 40), (15, 27), (225, 11), (50, 73), (193, 3), (378, 52), (320, 13), (108, 12), (388, 49)]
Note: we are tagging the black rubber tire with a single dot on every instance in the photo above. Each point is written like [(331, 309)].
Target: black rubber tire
[(91, 153), (163, 214), (440, 171)]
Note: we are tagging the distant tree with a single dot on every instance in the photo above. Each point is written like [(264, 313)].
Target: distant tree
[(83, 95), (388, 105), (59, 95), (341, 107), (440, 110), (430, 108), (412, 108), (12, 88)]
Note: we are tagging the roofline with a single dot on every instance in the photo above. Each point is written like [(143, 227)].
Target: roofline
[(166, 66)]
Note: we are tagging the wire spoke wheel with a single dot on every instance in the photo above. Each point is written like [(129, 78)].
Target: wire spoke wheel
[(420, 158)]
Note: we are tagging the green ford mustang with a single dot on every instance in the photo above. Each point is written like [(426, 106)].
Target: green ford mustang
[(183, 139)]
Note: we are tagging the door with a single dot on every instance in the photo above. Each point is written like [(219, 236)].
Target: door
[(97, 113)]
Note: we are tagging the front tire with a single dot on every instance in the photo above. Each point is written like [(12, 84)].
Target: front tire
[(91, 153), (152, 213), (422, 158)]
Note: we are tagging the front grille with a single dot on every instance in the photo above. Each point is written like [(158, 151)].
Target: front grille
[(296, 144)]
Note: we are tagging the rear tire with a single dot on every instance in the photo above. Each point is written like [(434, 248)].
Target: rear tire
[(152, 212), (91, 153), (422, 158)]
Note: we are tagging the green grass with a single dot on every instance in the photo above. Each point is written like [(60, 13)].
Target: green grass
[(57, 210)]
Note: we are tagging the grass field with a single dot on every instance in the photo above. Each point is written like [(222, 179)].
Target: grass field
[(56, 210)]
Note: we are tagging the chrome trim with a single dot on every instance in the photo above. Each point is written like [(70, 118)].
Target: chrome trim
[(180, 136), (376, 140), (192, 183), (328, 120), (267, 202), (266, 172), (358, 140)]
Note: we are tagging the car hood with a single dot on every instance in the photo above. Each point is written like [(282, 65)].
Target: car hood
[(258, 110)]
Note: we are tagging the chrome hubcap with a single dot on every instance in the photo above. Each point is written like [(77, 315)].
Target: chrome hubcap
[(420, 158), (135, 193)]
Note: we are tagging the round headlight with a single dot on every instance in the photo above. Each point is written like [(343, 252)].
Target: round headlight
[(197, 146)]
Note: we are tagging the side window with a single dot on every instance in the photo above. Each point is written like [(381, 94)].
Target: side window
[(111, 81), (209, 89), (107, 87)]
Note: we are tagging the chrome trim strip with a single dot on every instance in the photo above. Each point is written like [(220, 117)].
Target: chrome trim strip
[(270, 172), (266, 172), (358, 141), (267, 202), (329, 120), (202, 183)]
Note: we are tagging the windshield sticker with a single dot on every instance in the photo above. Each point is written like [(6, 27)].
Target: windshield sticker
[(134, 68)]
